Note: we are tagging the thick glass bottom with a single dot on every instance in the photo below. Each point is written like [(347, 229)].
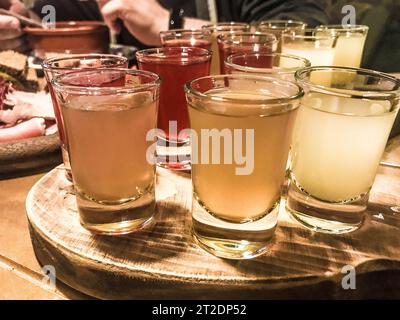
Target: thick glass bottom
[(233, 240), (325, 217), (117, 219)]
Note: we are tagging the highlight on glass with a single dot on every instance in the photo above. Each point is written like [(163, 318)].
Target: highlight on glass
[(216, 30), (280, 27), (59, 65), (319, 50), (339, 138), (186, 38), (350, 43), (243, 42), (107, 114), (277, 65), (237, 177)]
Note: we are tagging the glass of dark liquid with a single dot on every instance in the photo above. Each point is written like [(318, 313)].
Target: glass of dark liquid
[(175, 66)]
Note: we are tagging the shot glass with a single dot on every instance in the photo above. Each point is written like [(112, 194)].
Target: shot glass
[(339, 137), (56, 66), (216, 30), (319, 50), (175, 66), (280, 27), (243, 42), (107, 125), (186, 38), (350, 43), (277, 65), (240, 142)]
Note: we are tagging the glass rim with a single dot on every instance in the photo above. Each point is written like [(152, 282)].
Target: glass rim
[(47, 63), (261, 101), (266, 23), (226, 38), (102, 91), (222, 25), (309, 37), (204, 55), (229, 63), (342, 28), (180, 31), (348, 93)]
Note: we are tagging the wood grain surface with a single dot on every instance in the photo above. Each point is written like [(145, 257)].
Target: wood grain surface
[(29, 156), (164, 262)]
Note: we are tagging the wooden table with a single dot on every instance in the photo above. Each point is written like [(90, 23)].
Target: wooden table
[(21, 275)]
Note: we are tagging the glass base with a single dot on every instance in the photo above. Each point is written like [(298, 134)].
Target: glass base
[(117, 219), (174, 156), (233, 240), (118, 228), (325, 217)]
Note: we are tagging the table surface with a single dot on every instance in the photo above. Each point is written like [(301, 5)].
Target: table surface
[(21, 276)]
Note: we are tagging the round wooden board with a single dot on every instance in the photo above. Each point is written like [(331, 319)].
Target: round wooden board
[(165, 263), (29, 156)]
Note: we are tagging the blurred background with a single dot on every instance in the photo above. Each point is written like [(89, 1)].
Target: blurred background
[(382, 51)]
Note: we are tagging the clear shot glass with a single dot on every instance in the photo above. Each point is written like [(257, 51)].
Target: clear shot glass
[(107, 115)]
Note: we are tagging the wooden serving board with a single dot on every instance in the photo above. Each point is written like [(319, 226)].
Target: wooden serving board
[(29, 156), (164, 262)]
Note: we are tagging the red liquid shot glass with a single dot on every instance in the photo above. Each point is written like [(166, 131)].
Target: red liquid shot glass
[(63, 64), (186, 38), (175, 66), (229, 44)]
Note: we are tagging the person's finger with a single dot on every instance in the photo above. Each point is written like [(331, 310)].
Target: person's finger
[(10, 28), (12, 44), (111, 12)]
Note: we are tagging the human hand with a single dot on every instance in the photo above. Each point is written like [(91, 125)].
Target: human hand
[(143, 18), (11, 35)]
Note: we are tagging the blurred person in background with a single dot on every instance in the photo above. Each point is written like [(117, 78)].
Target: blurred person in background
[(11, 34), (139, 22)]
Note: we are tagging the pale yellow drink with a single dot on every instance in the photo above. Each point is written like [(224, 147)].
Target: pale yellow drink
[(318, 56), (107, 145), (349, 44), (317, 53), (218, 187), (335, 156), (349, 51)]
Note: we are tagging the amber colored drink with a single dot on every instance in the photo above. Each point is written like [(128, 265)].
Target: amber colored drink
[(107, 128), (235, 197), (59, 65), (241, 132), (101, 133)]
